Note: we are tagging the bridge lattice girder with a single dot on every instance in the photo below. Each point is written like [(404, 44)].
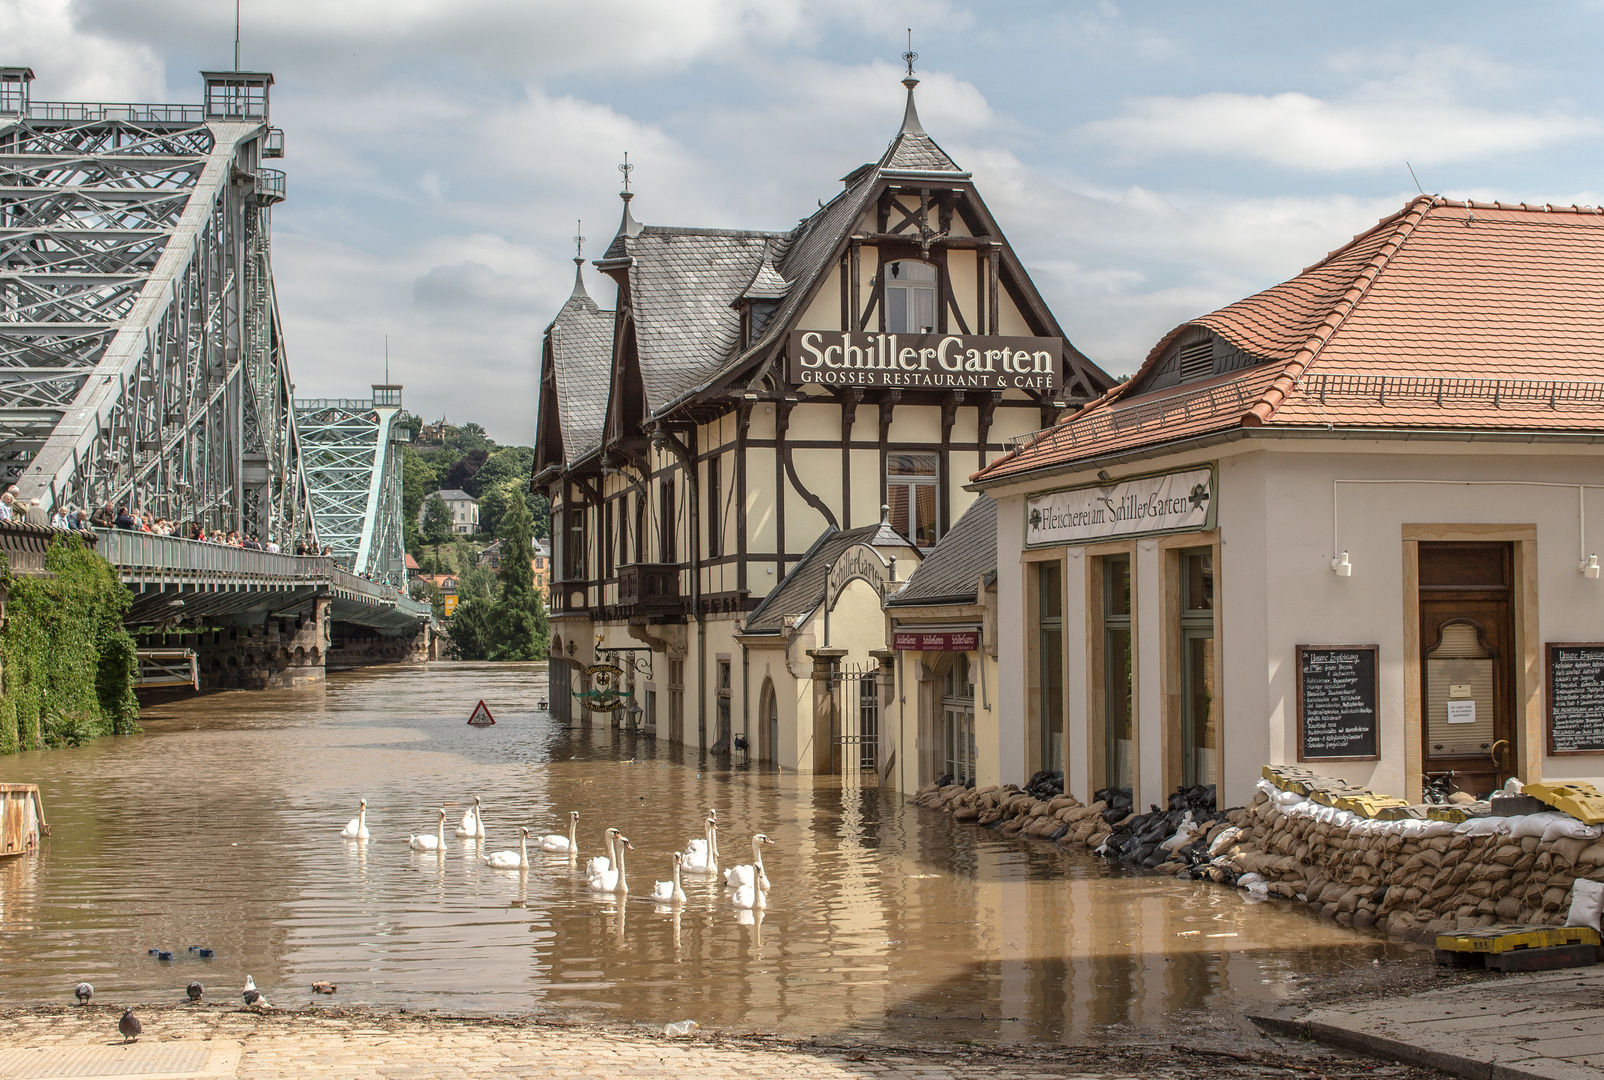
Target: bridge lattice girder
[(352, 461), (141, 353)]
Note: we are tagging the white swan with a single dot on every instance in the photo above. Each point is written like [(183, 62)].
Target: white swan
[(670, 892), (357, 827), (425, 842), (563, 844), (602, 863), (701, 856), (473, 824), (511, 860), (612, 881), (736, 876), (749, 898)]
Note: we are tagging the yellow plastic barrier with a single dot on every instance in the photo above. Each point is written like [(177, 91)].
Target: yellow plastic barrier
[(1577, 798)]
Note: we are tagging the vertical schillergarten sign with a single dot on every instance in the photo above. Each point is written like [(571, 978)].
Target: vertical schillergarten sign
[(1167, 503)]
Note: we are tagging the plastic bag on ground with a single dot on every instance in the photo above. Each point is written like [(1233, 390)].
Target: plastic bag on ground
[(680, 1028)]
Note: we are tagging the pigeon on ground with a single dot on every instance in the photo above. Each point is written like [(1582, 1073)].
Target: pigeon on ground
[(195, 990), (253, 997), (324, 988), (130, 1026), (83, 992)]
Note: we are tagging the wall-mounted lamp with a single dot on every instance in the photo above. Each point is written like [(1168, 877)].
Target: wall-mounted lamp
[(1589, 566), (1341, 567)]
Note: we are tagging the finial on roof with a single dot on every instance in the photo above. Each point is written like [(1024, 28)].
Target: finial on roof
[(627, 225), (579, 264), (910, 116)]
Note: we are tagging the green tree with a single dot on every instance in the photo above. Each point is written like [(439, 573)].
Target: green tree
[(472, 629), (518, 625), (418, 479), (540, 510), (463, 439), (436, 521)]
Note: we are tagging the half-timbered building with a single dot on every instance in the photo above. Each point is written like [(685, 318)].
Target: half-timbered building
[(765, 432)]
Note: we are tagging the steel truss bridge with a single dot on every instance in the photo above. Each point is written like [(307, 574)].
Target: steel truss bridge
[(142, 356)]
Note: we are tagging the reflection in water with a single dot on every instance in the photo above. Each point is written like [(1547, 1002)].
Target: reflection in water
[(220, 827)]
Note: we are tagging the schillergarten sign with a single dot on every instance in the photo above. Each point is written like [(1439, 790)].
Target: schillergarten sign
[(934, 361), (1172, 502)]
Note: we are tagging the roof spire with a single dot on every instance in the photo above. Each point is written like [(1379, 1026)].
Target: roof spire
[(910, 116), (579, 264), (627, 225)]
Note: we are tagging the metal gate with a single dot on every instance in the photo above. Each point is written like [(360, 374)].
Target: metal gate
[(857, 715)]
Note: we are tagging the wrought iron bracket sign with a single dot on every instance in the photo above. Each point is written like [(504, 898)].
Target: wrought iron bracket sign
[(628, 656)]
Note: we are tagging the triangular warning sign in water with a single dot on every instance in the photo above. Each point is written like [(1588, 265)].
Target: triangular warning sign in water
[(481, 715)]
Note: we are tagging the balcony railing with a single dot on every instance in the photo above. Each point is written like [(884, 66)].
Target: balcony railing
[(651, 589)]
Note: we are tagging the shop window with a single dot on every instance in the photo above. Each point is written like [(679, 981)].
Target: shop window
[(609, 539), (1119, 690), (713, 522), (910, 298), (911, 495), (676, 701), (665, 528), (958, 721), (1200, 697), (1050, 656), (574, 549), (651, 712)]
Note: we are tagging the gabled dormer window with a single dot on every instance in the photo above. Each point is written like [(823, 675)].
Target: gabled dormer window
[(910, 298)]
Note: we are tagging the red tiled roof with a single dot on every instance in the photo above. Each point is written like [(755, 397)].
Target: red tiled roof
[(1446, 315)]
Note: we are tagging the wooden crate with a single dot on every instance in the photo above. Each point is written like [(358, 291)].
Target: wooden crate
[(22, 819)]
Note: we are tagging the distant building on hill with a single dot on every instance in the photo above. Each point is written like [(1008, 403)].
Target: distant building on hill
[(541, 564), (464, 510)]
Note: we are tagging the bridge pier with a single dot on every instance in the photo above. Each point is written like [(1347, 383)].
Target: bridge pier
[(257, 652), (354, 646)]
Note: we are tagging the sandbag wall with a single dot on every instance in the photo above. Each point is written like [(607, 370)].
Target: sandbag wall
[(1413, 878)]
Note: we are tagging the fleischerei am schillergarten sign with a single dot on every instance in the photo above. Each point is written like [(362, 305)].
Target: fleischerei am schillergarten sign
[(1139, 506), (934, 361)]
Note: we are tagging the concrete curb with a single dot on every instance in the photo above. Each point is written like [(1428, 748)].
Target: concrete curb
[(1298, 1026)]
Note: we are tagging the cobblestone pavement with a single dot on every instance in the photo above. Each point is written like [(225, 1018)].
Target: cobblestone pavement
[(181, 1042)]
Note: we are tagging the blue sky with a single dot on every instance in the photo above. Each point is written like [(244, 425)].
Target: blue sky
[(1149, 161)]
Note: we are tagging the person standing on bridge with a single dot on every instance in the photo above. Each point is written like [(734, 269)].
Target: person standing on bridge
[(105, 517), (58, 520), (122, 520)]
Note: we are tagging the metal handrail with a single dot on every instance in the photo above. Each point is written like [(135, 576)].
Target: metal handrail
[(94, 111), (270, 180), (125, 547)]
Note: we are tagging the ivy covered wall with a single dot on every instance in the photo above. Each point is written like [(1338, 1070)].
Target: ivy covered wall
[(66, 663)]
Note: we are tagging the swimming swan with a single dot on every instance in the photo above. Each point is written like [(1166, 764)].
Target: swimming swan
[(670, 892), (736, 876), (563, 844), (612, 881), (511, 860), (749, 898), (701, 856), (602, 863), (426, 842), (357, 827), (473, 825)]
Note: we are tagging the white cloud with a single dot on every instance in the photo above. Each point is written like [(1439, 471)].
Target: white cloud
[(71, 64), (1417, 113)]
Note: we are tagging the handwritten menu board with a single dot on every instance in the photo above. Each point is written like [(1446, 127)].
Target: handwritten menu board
[(1337, 715), (1575, 697)]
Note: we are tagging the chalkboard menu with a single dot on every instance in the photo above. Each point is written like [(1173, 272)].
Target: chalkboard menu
[(1337, 715), (1576, 697)]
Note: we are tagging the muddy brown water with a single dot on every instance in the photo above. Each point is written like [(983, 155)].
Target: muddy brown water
[(219, 828)]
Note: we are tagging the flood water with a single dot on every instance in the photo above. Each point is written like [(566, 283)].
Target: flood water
[(219, 827)]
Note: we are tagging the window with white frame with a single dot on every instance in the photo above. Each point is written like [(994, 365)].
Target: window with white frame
[(911, 495), (910, 298)]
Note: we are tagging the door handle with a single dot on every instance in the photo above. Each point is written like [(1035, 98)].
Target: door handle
[(1494, 752)]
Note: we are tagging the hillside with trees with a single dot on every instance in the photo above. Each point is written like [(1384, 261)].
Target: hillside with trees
[(499, 615)]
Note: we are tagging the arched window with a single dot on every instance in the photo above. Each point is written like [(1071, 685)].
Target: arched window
[(910, 298)]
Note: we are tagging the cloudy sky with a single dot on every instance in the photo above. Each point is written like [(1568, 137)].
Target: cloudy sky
[(1149, 161)]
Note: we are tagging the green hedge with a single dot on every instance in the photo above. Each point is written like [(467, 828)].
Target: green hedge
[(68, 664)]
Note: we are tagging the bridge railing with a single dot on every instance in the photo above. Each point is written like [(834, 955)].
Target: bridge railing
[(95, 112), (124, 547)]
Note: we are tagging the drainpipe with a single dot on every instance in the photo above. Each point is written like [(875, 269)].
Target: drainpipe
[(663, 439)]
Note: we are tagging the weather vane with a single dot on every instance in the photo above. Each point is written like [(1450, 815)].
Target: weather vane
[(626, 168), (579, 241), (910, 56)]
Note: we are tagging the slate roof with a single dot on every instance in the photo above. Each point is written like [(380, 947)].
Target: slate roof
[(1446, 315), (582, 357), (453, 495), (951, 572), (802, 590), (766, 284), (682, 283)]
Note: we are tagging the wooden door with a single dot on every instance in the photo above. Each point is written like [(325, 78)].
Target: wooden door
[(1467, 663)]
